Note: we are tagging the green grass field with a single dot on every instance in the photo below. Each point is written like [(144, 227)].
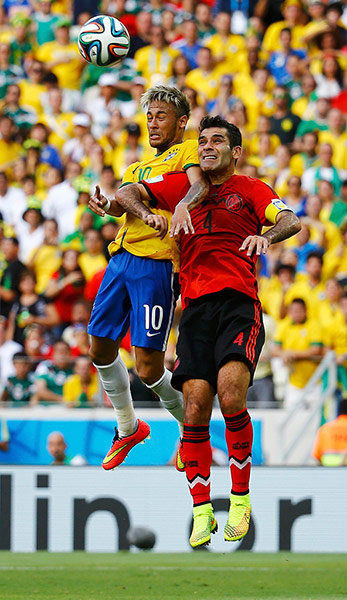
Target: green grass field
[(147, 576)]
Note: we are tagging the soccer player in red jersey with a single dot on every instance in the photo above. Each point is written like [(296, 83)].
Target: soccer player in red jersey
[(221, 330)]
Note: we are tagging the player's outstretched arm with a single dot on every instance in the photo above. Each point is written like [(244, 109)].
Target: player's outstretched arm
[(130, 198), (102, 205), (287, 224), (195, 195)]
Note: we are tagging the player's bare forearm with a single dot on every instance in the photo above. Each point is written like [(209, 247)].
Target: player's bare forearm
[(130, 199), (287, 224), (181, 218), (195, 195)]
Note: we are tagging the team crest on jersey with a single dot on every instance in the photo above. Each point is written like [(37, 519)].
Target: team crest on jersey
[(170, 156), (234, 203)]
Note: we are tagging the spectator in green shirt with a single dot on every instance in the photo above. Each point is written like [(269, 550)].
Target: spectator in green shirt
[(52, 374), (8, 73), (19, 388), (44, 22)]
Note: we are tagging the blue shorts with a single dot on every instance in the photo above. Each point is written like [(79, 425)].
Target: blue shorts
[(138, 293)]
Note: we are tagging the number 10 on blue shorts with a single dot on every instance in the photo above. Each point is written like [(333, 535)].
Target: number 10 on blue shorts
[(138, 293)]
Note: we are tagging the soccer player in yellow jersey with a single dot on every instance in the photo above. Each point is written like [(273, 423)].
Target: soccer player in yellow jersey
[(137, 288)]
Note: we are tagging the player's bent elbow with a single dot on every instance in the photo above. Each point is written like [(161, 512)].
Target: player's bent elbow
[(296, 224)]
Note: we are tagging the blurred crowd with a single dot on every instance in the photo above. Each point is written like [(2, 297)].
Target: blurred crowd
[(276, 69)]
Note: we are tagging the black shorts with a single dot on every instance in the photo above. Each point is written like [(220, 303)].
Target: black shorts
[(214, 329)]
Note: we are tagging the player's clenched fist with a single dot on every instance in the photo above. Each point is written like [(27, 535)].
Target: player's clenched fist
[(158, 222), (257, 243)]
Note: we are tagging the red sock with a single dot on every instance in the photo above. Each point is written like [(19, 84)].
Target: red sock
[(239, 438), (197, 456)]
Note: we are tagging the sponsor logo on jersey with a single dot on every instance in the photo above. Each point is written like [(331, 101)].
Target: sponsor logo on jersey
[(154, 179), (234, 203)]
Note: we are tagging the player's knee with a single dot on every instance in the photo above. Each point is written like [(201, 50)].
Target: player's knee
[(197, 411), (232, 401), (100, 358), (148, 371)]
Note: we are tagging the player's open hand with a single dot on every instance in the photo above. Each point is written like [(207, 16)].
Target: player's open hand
[(158, 222), (97, 202), (181, 220), (255, 243)]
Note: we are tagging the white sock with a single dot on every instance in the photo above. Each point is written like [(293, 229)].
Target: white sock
[(115, 381), (171, 399)]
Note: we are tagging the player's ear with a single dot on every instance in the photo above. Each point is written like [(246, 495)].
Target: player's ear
[(236, 152), (182, 122)]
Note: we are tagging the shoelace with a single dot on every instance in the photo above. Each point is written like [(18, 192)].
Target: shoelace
[(238, 509)]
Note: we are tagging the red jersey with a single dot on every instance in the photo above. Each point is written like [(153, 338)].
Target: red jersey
[(210, 258)]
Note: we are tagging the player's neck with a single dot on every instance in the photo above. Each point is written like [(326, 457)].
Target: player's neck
[(176, 140), (219, 177)]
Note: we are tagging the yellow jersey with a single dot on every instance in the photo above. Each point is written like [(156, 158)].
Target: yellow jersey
[(74, 391), (30, 95), (91, 264), (339, 146), (70, 69), (206, 84), (271, 41), (155, 64), (135, 236), (300, 336), (9, 151), (227, 48)]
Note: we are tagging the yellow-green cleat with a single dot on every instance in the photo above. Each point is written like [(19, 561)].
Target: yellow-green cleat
[(239, 518), (204, 525), (179, 461)]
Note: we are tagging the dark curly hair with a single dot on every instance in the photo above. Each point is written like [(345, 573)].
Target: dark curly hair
[(234, 134)]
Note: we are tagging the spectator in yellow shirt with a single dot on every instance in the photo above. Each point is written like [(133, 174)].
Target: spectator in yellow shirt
[(310, 287), (298, 341), (154, 62), (62, 57), (9, 149), (81, 389), (60, 123), (206, 78), (307, 158), (226, 46), (273, 291), (330, 314), (293, 19), (92, 260), (304, 107), (336, 136), (32, 89), (46, 258), (263, 126)]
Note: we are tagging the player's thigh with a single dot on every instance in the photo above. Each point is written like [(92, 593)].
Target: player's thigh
[(152, 303), (195, 358), (240, 334), (110, 317)]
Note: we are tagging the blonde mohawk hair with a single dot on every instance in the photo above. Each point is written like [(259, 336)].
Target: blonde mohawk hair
[(169, 95)]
